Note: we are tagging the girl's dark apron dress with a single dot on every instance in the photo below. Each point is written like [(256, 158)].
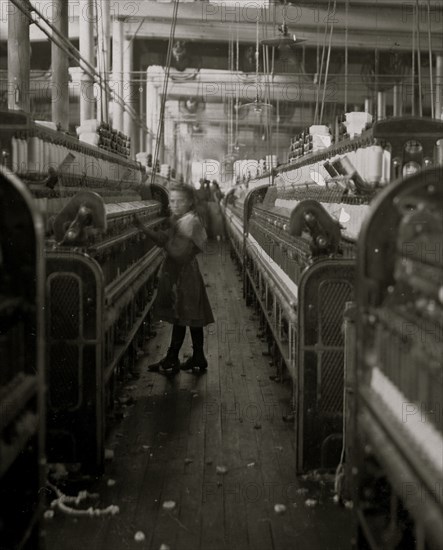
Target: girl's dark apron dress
[(181, 296)]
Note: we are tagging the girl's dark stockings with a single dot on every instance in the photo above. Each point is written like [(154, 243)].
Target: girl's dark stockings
[(178, 336)]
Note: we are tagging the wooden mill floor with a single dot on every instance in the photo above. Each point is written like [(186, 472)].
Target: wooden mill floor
[(215, 445)]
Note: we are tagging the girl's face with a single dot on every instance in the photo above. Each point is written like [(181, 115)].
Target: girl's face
[(179, 203)]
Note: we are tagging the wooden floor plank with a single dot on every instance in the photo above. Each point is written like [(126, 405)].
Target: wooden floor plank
[(243, 485), (212, 504), (178, 431), (235, 516)]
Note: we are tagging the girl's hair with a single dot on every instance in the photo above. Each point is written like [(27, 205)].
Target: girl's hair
[(187, 190)]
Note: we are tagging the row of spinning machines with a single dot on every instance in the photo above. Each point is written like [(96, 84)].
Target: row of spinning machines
[(77, 282), (336, 272), (346, 275)]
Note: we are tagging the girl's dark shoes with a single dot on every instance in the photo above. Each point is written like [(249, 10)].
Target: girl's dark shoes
[(169, 365), (196, 362)]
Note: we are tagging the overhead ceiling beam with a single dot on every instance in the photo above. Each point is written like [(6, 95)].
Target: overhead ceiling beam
[(384, 24), (291, 89), (370, 39), (352, 3)]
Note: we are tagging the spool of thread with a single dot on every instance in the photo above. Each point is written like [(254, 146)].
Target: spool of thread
[(82, 163), (46, 155), (345, 167), (360, 163), (24, 166), (15, 155), (57, 154), (41, 158), (33, 154), (22, 156), (386, 176), (439, 151), (41, 167), (41, 153), (374, 164), (271, 161)]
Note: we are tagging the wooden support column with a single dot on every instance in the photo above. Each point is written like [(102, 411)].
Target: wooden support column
[(99, 96), (19, 54), (103, 57), (60, 65), (129, 92), (86, 38), (106, 14), (439, 87), (117, 73)]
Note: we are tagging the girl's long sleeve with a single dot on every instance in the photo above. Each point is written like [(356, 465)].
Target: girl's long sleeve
[(180, 248), (160, 238)]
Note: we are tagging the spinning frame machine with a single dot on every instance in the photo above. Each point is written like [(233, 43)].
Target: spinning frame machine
[(395, 433), (77, 286), (296, 243), (22, 377), (100, 286)]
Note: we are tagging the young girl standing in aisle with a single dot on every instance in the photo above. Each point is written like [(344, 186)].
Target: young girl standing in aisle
[(181, 298)]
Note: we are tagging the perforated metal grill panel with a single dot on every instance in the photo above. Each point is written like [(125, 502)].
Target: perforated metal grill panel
[(331, 297), (324, 290), (64, 376), (64, 307), (74, 369), (331, 383)]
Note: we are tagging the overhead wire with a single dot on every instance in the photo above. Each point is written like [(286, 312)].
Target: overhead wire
[(413, 65), (376, 65), (159, 134), (237, 105), (431, 74), (229, 101), (417, 23), (266, 71), (327, 64), (346, 56), (320, 74), (102, 65), (133, 37)]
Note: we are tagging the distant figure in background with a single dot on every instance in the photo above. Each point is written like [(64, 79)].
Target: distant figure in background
[(216, 225), (201, 207), (216, 191), (206, 192), (181, 298)]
